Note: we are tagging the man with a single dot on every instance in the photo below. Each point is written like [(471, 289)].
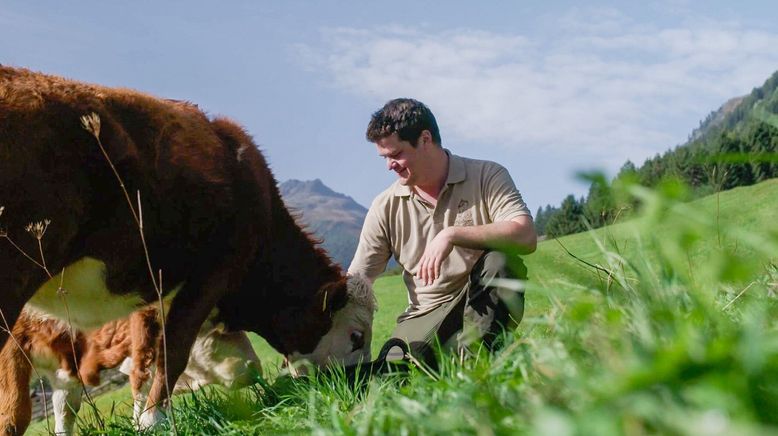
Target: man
[(439, 220)]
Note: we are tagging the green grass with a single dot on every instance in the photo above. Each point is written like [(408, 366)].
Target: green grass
[(673, 332), (745, 209), (117, 402)]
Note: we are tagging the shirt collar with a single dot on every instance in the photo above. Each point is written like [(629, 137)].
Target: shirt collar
[(456, 174), (456, 169)]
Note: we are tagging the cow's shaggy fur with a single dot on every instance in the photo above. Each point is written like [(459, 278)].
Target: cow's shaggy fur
[(213, 220)]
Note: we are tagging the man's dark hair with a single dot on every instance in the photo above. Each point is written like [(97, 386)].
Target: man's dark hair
[(407, 117)]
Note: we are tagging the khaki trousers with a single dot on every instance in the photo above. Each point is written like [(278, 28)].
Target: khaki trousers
[(479, 312)]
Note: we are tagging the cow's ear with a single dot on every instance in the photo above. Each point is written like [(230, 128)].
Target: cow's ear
[(333, 296)]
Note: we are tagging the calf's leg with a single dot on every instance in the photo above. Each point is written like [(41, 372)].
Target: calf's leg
[(66, 401), (144, 333)]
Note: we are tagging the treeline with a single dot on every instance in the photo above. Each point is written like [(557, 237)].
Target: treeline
[(736, 148)]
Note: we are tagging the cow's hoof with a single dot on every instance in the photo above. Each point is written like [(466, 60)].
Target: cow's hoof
[(149, 418)]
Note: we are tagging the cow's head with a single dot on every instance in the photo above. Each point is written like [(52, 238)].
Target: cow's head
[(336, 328), (219, 357)]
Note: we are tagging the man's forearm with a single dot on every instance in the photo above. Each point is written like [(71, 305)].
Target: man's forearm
[(520, 231)]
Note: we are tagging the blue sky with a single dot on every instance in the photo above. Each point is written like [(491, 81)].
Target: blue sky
[(545, 88)]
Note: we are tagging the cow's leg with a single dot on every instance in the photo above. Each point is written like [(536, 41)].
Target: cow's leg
[(65, 400), (189, 309), (182, 325), (15, 404)]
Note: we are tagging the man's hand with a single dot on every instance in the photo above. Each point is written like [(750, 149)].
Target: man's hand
[(434, 254), (519, 231)]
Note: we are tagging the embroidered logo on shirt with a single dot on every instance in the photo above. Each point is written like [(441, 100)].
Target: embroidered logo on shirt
[(464, 214)]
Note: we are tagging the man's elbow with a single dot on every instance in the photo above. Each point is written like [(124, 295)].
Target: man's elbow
[(526, 237), (529, 242)]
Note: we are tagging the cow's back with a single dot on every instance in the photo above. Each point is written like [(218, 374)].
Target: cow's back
[(54, 169)]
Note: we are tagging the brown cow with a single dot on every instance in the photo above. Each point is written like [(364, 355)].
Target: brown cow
[(213, 220), (217, 357)]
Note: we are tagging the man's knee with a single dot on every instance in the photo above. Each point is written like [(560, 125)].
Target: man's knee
[(496, 264), (507, 304)]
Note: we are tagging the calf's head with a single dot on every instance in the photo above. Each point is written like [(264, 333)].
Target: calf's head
[(336, 328), (219, 357)]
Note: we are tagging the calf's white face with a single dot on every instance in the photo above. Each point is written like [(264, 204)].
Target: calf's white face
[(219, 357), (348, 340)]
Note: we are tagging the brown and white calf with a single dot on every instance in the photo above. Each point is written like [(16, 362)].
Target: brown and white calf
[(213, 221), (217, 357)]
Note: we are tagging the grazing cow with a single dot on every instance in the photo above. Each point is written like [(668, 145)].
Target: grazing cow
[(217, 357), (214, 225)]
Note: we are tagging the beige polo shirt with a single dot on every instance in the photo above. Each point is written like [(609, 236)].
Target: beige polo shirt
[(400, 224)]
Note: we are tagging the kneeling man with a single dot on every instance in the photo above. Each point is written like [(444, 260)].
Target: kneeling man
[(439, 220)]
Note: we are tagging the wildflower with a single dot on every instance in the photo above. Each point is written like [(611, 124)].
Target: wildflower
[(91, 123), (38, 229)]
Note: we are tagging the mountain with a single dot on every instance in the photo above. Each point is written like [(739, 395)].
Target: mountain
[(333, 217), (715, 119)]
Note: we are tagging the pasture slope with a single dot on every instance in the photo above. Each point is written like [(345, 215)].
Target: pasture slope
[(664, 324)]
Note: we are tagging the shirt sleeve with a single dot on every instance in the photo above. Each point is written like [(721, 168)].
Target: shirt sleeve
[(373, 251), (503, 200)]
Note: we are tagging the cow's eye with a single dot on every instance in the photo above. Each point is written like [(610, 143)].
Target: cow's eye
[(357, 340)]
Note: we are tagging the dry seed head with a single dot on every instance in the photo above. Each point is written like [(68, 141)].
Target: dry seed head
[(38, 229), (91, 123)]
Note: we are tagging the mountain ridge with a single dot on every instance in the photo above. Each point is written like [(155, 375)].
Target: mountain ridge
[(333, 217)]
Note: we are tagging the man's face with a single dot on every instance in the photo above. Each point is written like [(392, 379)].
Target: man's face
[(402, 158)]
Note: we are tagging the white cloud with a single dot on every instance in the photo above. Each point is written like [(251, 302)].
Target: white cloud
[(605, 85)]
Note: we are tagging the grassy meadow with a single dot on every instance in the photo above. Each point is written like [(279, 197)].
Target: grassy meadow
[(661, 324)]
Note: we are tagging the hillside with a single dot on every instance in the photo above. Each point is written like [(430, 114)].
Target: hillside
[(333, 217), (737, 211)]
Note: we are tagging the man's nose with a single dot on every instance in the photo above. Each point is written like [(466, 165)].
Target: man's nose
[(391, 164)]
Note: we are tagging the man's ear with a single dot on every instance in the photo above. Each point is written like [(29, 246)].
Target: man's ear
[(424, 138)]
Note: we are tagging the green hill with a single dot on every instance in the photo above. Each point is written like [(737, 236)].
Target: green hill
[(751, 208)]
